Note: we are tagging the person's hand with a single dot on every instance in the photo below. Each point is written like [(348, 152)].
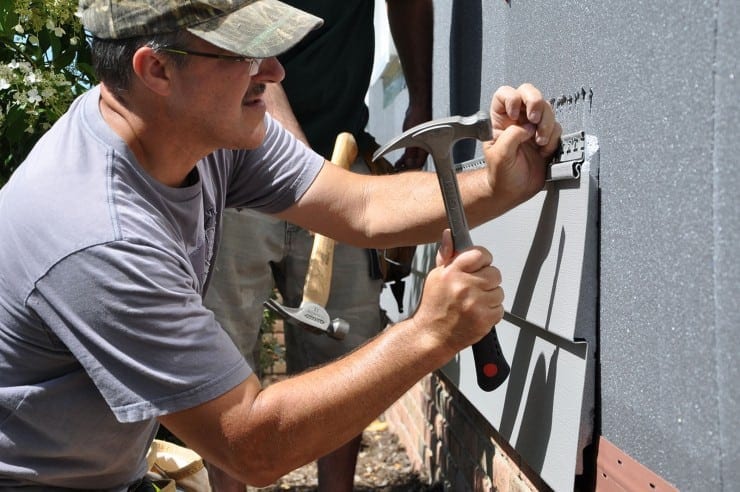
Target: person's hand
[(525, 135), (462, 297), (413, 157)]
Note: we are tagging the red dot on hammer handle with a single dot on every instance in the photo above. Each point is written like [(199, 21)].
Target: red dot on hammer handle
[(490, 370)]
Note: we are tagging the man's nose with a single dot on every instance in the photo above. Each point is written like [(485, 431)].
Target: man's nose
[(270, 70)]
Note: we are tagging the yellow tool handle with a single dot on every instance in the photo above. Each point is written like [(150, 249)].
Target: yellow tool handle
[(318, 277)]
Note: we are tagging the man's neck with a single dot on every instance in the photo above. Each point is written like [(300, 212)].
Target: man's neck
[(151, 138)]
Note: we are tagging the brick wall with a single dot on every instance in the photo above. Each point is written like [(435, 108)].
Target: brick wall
[(445, 437), (449, 440)]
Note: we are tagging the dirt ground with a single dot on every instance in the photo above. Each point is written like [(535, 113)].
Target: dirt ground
[(382, 466)]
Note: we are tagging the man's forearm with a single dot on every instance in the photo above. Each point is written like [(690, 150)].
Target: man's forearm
[(399, 209), (258, 435), (418, 215), (361, 386), (279, 107), (412, 27)]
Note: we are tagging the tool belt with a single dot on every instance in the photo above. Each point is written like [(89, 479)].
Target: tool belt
[(390, 264)]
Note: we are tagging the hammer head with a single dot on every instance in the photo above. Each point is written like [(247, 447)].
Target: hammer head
[(438, 136), (312, 317)]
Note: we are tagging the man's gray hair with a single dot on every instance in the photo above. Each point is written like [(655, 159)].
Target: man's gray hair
[(113, 58)]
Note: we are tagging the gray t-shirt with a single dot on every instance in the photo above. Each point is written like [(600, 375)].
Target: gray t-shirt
[(102, 273)]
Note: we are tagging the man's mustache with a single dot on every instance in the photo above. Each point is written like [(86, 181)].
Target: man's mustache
[(256, 91)]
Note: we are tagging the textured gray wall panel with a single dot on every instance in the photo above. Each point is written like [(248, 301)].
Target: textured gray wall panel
[(727, 234)]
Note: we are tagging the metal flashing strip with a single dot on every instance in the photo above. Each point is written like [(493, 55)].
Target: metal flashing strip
[(566, 164), (618, 472)]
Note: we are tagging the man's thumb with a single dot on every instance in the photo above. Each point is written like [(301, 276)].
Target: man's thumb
[(508, 141), (446, 249)]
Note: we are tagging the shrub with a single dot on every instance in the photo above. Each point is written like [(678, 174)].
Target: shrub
[(44, 65)]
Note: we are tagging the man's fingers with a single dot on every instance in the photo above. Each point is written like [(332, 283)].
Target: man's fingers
[(511, 103), (539, 112), (469, 261), (532, 99), (473, 260), (522, 105), (506, 102), (553, 141)]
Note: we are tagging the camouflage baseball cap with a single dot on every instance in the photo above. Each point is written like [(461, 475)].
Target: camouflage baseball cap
[(254, 28)]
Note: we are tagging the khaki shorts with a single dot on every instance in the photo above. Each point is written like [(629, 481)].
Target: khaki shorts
[(257, 250)]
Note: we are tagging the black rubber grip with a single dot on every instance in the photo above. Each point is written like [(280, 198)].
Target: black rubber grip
[(491, 367)]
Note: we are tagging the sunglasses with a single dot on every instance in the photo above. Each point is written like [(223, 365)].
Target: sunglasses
[(254, 63)]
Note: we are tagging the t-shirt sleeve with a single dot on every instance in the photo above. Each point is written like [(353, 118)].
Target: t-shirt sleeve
[(131, 315), (275, 175)]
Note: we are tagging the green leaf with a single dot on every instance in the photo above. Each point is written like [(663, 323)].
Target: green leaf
[(8, 17), (55, 44), (64, 59), (15, 124)]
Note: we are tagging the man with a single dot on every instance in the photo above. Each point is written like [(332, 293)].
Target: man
[(109, 230), (327, 77)]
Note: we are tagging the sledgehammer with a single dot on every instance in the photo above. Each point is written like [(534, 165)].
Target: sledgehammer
[(437, 137), (311, 314)]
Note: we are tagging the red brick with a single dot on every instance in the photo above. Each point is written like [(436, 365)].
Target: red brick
[(446, 438)]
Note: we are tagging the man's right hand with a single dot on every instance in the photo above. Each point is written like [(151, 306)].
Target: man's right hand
[(462, 296)]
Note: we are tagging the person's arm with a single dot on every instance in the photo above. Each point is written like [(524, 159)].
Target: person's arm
[(407, 208), (257, 435), (412, 27), (279, 107)]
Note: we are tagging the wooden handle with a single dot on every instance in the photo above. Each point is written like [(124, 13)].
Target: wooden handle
[(318, 277)]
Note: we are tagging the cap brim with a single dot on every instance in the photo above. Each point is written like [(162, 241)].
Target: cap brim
[(260, 29)]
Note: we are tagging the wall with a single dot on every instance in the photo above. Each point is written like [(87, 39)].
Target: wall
[(655, 84)]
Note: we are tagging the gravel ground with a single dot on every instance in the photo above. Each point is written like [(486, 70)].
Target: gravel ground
[(382, 466)]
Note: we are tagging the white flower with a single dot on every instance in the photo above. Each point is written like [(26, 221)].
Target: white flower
[(47, 93), (31, 78), (33, 40), (33, 96), (74, 40), (59, 32), (18, 28), (50, 24), (4, 84)]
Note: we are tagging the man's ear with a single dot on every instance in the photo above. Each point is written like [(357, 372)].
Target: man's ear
[(153, 69)]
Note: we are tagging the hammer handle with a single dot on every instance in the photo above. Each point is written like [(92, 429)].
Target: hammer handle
[(491, 368), (318, 277)]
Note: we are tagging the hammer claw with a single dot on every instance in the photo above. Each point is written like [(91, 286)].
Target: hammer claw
[(312, 317)]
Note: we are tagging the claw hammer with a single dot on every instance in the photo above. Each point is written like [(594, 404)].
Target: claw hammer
[(437, 138), (311, 314)]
